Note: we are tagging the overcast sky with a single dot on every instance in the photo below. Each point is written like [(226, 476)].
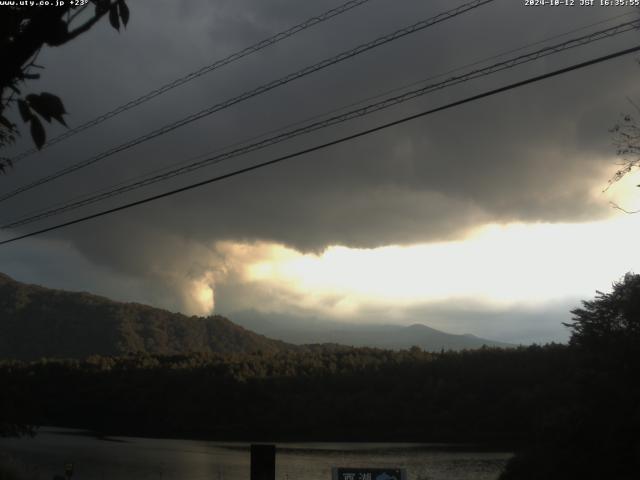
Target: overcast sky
[(488, 218)]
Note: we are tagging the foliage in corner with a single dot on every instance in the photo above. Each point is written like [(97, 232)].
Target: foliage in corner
[(24, 31)]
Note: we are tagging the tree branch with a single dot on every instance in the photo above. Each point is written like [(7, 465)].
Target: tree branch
[(618, 207), (89, 23), (78, 12)]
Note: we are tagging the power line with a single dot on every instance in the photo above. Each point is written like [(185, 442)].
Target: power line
[(350, 115), (363, 133), (256, 47), (484, 60), (108, 193), (255, 92)]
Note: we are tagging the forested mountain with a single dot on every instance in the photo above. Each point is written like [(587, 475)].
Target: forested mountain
[(395, 337), (40, 322)]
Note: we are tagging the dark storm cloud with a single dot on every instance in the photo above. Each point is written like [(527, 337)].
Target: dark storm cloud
[(535, 154)]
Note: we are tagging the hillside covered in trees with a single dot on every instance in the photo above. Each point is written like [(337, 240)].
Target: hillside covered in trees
[(38, 322)]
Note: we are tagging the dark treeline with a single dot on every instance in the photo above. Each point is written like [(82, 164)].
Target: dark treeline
[(489, 395)]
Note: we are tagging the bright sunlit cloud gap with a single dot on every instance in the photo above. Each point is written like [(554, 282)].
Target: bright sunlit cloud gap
[(496, 263)]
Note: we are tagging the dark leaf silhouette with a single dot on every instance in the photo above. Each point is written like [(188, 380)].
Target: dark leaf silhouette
[(48, 106), (101, 6), (25, 111), (113, 17), (124, 12), (36, 104), (37, 132), (57, 33), (6, 123)]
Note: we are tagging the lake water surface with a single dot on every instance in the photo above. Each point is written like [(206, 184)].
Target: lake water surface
[(127, 458)]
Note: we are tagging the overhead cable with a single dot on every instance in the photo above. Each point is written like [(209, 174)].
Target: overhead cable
[(323, 146), (252, 93), (337, 119)]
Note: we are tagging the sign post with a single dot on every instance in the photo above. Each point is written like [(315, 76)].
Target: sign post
[(68, 469), (263, 462)]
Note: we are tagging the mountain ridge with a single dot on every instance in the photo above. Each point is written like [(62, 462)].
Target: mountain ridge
[(36, 322), (377, 335)]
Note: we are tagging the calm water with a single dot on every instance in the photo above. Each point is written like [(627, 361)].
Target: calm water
[(126, 458)]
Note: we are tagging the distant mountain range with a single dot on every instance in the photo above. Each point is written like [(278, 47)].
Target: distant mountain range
[(393, 337), (41, 322)]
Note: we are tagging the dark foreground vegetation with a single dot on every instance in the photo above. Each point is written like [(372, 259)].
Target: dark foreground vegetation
[(573, 411), (320, 394)]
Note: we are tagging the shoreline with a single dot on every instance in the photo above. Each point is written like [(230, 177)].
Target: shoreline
[(289, 445)]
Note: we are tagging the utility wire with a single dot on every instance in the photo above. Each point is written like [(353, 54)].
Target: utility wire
[(479, 62), (255, 92), (256, 47), (363, 133), (359, 112)]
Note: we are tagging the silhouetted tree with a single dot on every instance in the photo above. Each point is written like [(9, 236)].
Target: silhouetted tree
[(24, 30), (612, 319), (595, 432)]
